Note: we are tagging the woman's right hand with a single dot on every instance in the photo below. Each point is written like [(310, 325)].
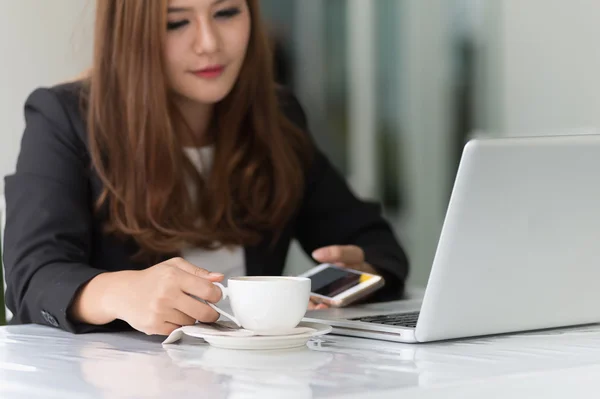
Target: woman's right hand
[(155, 301)]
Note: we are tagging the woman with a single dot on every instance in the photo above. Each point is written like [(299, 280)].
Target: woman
[(175, 162)]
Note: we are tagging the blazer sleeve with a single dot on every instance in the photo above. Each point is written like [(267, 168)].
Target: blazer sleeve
[(48, 225), (332, 215)]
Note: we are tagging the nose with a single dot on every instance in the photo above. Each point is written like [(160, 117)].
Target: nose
[(207, 37)]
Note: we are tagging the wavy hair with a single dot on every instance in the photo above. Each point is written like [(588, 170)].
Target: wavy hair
[(257, 177)]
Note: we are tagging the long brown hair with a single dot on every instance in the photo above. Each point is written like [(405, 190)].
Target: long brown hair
[(257, 176)]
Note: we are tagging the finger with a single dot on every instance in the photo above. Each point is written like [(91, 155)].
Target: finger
[(194, 270), (177, 317), (311, 305), (196, 309), (347, 254), (200, 288), (321, 306), (165, 329)]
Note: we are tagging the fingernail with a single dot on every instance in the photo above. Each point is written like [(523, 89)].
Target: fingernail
[(214, 274), (320, 253)]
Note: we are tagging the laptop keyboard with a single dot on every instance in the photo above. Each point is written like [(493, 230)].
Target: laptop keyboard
[(395, 319)]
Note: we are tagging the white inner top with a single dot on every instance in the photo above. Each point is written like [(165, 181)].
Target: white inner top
[(229, 261)]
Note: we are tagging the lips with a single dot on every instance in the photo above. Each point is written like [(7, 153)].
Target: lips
[(210, 72)]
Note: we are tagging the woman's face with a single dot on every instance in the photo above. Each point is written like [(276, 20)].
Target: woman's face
[(205, 47)]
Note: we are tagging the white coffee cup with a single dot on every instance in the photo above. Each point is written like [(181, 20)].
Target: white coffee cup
[(266, 305)]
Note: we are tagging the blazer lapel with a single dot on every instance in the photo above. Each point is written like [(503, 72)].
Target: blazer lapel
[(255, 260), (262, 259)]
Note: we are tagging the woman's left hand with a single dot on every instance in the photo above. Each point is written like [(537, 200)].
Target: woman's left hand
[(349, 256)]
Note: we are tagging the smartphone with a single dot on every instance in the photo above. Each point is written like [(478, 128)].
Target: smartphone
[(339, 286)]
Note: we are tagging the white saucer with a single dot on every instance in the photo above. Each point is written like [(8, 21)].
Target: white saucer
[(269, 342)]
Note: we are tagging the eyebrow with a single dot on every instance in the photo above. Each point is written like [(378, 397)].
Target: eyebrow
[(183, 9)]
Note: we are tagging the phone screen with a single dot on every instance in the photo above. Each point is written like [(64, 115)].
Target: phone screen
[(332, 281)]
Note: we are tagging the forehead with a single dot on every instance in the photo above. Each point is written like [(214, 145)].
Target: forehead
[(188, 5)]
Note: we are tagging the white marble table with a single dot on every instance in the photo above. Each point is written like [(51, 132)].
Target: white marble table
[(42, 362)]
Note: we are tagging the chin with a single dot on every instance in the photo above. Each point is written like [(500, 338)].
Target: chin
[(207, 95)]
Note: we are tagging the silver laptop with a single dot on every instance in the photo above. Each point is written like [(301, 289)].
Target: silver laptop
[(519, 249)]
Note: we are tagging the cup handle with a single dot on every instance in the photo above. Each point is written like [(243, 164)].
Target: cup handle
[(224, 291)]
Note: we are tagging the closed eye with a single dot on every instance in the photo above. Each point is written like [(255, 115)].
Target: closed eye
[(227, 13), (177, 24)]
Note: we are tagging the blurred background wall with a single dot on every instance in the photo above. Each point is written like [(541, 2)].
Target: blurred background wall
[(41, 43), (392, 88)]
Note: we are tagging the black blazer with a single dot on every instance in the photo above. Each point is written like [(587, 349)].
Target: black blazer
[(54, 242)]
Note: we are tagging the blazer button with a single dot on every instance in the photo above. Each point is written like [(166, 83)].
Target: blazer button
[(49, 318)]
